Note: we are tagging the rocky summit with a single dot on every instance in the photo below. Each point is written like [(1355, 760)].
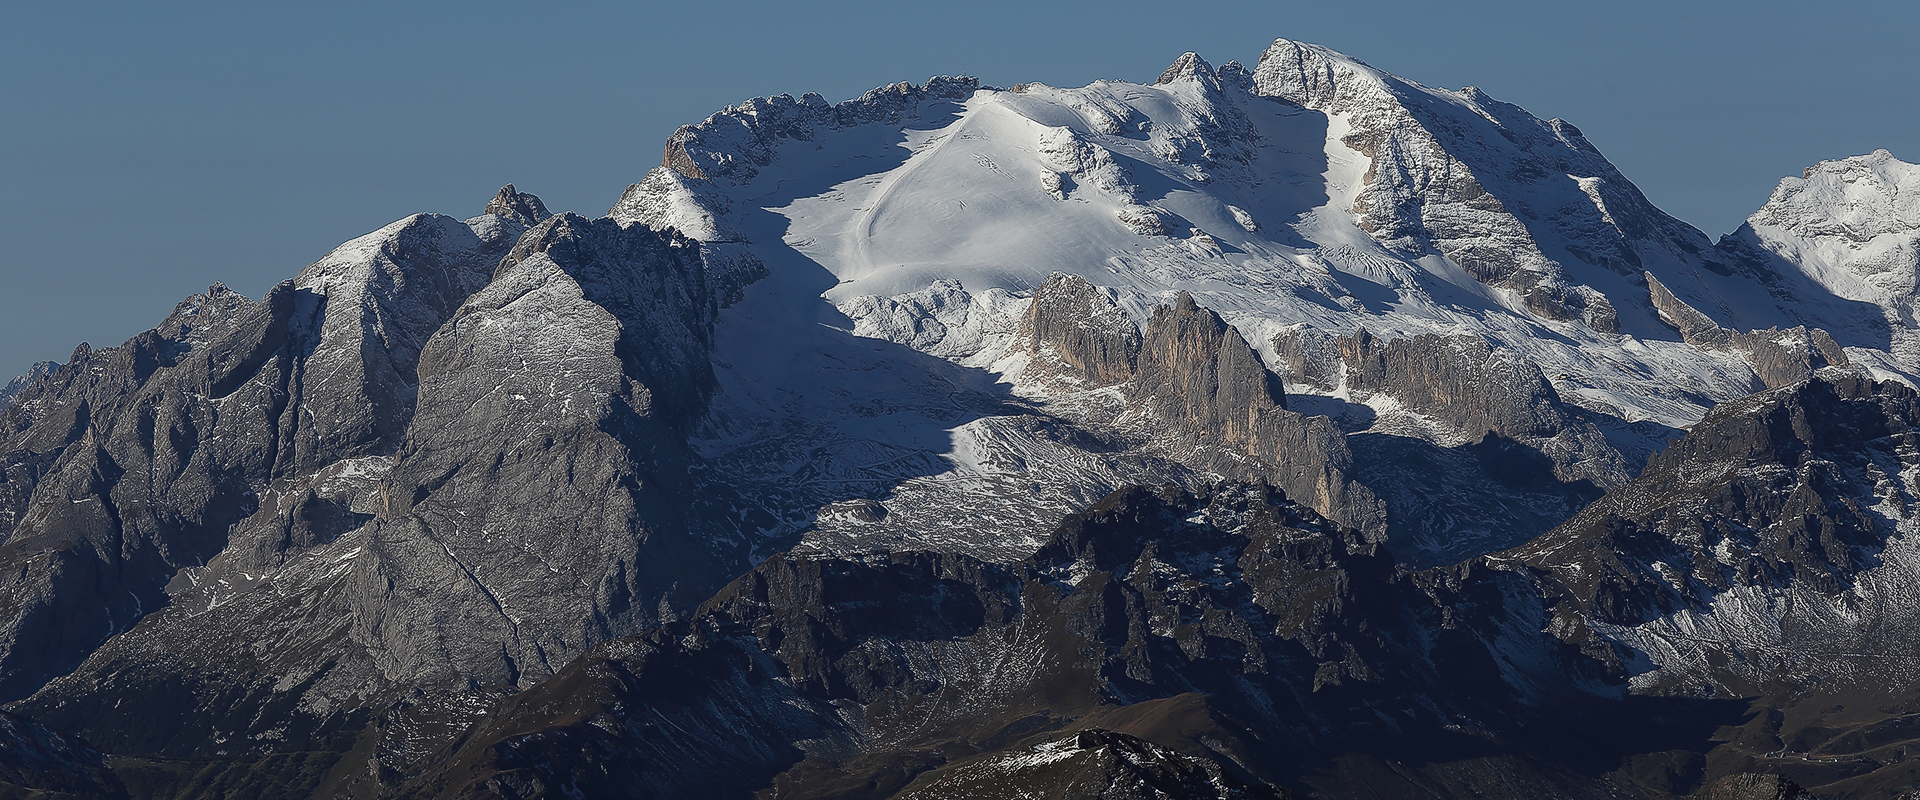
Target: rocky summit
[(1291, 430)]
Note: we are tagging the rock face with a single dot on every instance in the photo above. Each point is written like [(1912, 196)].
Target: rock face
[(1071, 324), (1445, 427), (517, 206), (553, 411), (1459, 379), (338, 451), (224, 456), (1783, 358), (569, 451), (1792, 502), (156, 449), (1479, 391), (1751, 786), (1198, 376), (1196, 371), (1777, 357)]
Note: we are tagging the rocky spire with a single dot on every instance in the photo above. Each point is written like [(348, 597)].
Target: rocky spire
[(517, 205)]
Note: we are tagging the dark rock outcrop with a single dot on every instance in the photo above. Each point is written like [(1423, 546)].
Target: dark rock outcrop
[(1093, 764), (1772, 490), (1786, 357), (1213, 643), (1724, 568), (1755, 786)]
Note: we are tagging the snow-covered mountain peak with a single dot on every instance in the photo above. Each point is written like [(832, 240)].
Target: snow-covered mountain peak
[(1853, 226), (1857, 198), (1312, 75)]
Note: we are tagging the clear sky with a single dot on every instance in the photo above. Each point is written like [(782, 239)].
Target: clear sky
[(151, 149)]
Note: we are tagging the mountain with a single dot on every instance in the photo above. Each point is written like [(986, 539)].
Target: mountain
[(20, 383), (1288, 431), (1853, 224)]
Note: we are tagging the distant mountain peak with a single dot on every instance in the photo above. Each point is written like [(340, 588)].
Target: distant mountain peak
[(1858, 197), (20, 383), (1188, 65), (517, 205)]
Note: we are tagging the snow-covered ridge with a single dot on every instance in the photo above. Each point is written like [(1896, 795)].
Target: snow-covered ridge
[(1310, 193), (1266, 193)]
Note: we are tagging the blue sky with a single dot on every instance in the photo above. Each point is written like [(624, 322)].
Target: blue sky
[(152, 149)]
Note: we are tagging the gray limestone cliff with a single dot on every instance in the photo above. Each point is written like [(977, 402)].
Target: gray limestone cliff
[(1198, 378), (141, 461), (555, 407), (1446, 427), (1076, 331), (532, 504), (1482, 390)]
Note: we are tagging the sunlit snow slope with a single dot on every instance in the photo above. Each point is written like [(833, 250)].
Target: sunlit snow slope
[(1312, 193)]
